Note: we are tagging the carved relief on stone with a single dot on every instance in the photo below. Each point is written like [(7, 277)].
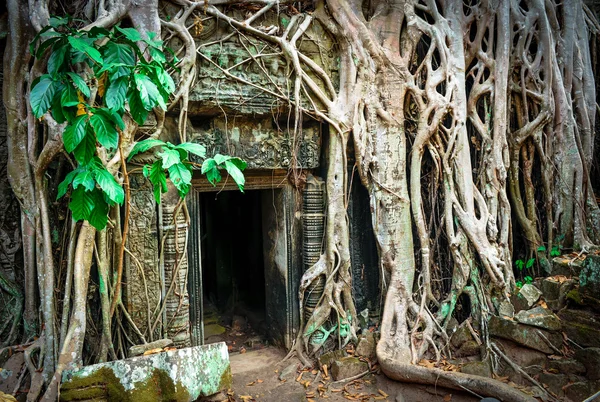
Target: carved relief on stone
[(260, 144), (142, 290), (246, 75)]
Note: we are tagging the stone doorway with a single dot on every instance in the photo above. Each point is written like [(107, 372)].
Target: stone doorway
[(244, 260)]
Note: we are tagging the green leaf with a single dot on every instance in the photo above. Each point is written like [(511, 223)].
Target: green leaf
[(82, 203), (144, 145), (117, 93), (117, 53), (63, 187), (85, 179), (136, 108), (158, 178), (211, 170), (181, 178), (109, 185), (57, 108), (41, 95), (166, 81), (98, 217), (82, 46), (157, 55), (80, 84), (68, 97), (130, 33), (57, 59), (169, 157), (191, 147), (87, 147), (105, 131), (47, 43), (530, 263), (148, 92), (519, 264), (236, 174), (56, 22), (541, 248), (220, 159), (528, 279), (74, 133)]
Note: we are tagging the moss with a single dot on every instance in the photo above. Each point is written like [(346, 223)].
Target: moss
[(104, 384), (575, 296)]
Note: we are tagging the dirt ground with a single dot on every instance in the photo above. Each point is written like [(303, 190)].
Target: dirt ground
[(256, 378)]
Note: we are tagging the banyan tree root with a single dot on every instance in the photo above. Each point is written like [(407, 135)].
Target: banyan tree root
[(397, 370)]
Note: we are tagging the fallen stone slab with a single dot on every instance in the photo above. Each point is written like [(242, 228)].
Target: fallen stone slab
[(525, 335), (347, 367), (481, 369), (580, 391), (566, 266), (179, 375), (329, 357), (140, 349), (582, 327), (528, 295), (366, 346), (590, 358), (539, 317), (567, 366)]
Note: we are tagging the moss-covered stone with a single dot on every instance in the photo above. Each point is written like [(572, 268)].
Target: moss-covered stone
[(180, 375)]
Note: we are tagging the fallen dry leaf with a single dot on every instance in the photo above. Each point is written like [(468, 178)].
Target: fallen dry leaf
[(448, 398), (382, 393), (152, 351)]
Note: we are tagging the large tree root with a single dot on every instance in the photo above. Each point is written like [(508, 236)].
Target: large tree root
[(483, 386)]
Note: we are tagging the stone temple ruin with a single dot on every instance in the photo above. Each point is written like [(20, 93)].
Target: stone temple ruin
[(246, 252)]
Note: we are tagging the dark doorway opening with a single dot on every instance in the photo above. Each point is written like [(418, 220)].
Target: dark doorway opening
[(233, 267)]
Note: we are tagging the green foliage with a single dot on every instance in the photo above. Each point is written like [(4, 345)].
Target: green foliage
[(126, 82), (520, 264), (556, 251), (117, 65), (174, 161), (528, 279), (519, 284)]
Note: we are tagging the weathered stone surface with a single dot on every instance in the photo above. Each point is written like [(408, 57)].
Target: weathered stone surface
[(583, 327), (590, 358), (532, 361), (555, 382), (539, 317), (526, 297), (141, 272), (565, 266), (461, 336), (347, 367), (468, 348), (261, 144), (366, 346), (579, 391), (140, 349), (288, 372), (524, 334), (179, 375), (567, 366), (330, 357), (589, 278), (506, 309), (550, 288), (477, 368)]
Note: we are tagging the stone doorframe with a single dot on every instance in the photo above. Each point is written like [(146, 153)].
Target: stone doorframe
[(282, 251)]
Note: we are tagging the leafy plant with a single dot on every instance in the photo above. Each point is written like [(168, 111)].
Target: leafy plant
[(126, 81), (174, 161), (519, 284), (519, 264), (528, 279), (556, 251)]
